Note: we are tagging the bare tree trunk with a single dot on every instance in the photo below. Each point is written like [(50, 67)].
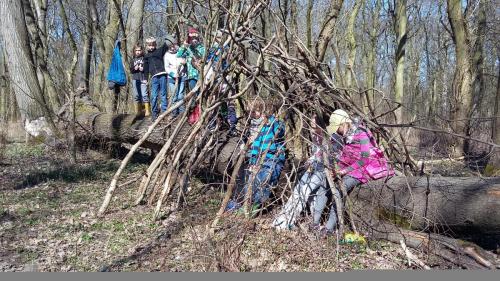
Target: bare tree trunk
[(310, 5), (461, 88), (327, 29), (478, 84), (105, 43), (4, 88), (70, 74), (493, 167), (172, 20), (86, 59), (351, 43), (401, 35), (372, 55), (38, 39), (20, 61), (134, 23)]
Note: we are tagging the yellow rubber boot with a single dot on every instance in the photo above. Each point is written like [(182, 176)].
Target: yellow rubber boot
[(138, 109), (147, 109)]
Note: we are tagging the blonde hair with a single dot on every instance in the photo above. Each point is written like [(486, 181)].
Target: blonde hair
[(151, 40)]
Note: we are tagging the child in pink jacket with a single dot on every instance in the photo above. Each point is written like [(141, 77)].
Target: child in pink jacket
[(359, 161)]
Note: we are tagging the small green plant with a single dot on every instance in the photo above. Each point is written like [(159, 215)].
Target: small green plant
[(355, 264), (23, 150), (87, 237), (27, 255), (33, 221)]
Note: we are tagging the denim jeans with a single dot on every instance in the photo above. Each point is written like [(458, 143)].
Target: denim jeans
[(312, 188), (322, 199), (140, 91), (181, 91), (304, 192), (158, 86), (264, 179)]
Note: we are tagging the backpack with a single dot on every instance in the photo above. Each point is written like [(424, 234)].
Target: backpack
[(116, 73)]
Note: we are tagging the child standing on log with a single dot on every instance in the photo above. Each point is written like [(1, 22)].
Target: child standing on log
[(192, 53), (174, 77), (154, 67), (139, 82)]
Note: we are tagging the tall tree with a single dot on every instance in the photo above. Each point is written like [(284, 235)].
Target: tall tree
[(327, 29), (22, 71), (401, 38), (38, 38), (134, 29), (478, 84), (310, 5), (105, 40), (373, 28), (351, 43), (70, 73), (494, 162), (461, 87), (88, 38)]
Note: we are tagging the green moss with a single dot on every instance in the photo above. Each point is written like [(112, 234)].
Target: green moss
[(491, 170), (394, 218)]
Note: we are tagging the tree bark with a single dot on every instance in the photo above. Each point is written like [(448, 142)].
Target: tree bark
[(310, 5), (134, 24), (478, 84), (38, 39), (327, 28), (88, 38), (493, 167), (4, 90), (70, 74), (371, 76), (461, 87), (351, 44), (401, 37), (463, 205), (20, 61)]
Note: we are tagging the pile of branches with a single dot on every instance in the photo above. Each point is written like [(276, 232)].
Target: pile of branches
[(258, 66), (281, 68)]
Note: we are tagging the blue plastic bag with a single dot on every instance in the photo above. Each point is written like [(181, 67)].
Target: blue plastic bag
[(116, 73)]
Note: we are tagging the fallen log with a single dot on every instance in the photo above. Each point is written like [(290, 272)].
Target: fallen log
[(460, 207), (461, 253), (463, 205)]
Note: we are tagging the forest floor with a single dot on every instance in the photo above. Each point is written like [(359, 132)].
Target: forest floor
[(48, 223)]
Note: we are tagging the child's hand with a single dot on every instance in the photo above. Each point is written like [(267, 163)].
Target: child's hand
[(141, 68), (136, 67)]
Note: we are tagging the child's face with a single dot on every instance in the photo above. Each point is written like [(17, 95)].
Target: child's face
[(138, 52), (343, 128), (151, 47), (255, 114), (193, 39), (173, 49)]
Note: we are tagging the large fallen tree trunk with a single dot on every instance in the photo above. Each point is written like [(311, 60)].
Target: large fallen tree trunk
[(436, 203), (462, 207)]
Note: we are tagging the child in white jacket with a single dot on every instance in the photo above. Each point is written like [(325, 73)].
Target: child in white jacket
[(172, 64)]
